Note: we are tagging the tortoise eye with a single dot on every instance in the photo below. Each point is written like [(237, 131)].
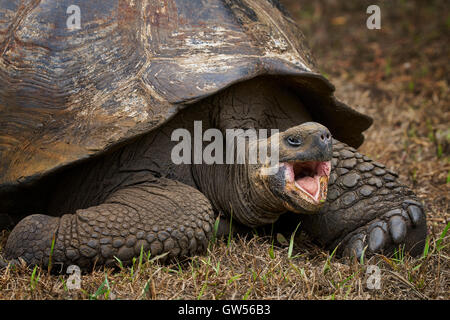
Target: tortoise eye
[(294, 141)]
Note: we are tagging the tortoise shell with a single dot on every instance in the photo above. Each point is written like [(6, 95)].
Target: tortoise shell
[(76, 81)]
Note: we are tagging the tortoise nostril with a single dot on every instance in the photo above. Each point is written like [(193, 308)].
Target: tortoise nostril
[(328, 136), (322, 137)]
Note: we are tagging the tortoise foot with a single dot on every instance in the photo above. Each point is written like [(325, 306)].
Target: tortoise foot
[(367, 210), (402, 228)]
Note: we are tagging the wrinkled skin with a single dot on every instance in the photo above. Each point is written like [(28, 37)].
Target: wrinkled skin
[(135, 197)]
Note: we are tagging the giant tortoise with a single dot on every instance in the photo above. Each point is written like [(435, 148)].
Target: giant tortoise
[(91, 95)]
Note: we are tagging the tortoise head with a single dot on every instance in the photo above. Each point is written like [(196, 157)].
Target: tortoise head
[(300, 178)]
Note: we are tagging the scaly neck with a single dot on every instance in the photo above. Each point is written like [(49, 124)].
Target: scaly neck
[(237, 190)]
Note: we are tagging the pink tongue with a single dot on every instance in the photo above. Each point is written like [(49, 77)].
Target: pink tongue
[(309, 184)]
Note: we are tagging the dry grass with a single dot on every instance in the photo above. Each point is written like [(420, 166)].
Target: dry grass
[(399, 76), (246, 269)]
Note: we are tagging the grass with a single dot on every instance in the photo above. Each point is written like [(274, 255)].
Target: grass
[(52, 247), (409, 135), (103, 291), (244, 270), (34, 279), (291, 243)]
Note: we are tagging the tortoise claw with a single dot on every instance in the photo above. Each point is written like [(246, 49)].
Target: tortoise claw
[(355, 247), (377, 239), (385, 233), (397, 228), (416, 214)]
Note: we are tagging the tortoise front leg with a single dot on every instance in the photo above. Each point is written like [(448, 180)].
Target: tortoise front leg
[(367, 207), (160, 216)]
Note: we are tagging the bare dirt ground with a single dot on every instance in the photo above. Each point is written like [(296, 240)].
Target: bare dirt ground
[(399, 75)]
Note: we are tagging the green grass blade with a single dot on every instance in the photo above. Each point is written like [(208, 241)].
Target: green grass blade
[(291, 243), (49, 267), (441, 238), (326, 267), (141, 257), (234, 278), (363, 253), (34, 279), (215, 230), (104, 289), (119, 261), (426, 249), (162, 255), (247, 294)]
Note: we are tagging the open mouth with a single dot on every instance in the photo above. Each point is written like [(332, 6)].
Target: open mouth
[(309, 178)]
